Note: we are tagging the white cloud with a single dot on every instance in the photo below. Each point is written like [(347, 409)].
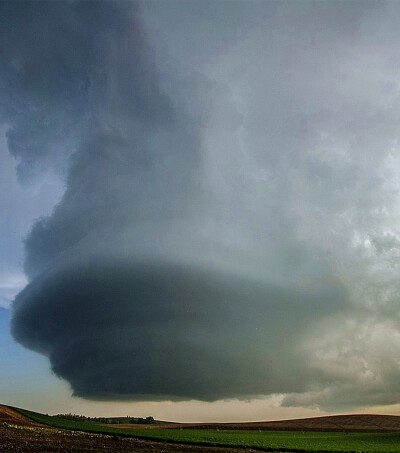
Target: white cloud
[(12, 281)]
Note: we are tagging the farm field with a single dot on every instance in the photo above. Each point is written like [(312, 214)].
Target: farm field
[(337, 423), (310, 441), (19, 434)]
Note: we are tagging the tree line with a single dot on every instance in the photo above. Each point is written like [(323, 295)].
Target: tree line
[(112, 420)]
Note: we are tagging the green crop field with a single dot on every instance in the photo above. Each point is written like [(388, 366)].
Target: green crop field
[(262, 440)]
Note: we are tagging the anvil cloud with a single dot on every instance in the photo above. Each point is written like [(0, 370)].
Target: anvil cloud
[(229, 226)]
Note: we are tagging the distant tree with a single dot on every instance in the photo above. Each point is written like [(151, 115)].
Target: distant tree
[(77, 418), (145, 421)]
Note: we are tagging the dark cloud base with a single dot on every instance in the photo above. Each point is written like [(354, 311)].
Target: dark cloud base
[(124, 330)]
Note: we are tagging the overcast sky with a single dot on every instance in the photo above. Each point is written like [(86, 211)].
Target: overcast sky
[(200, 207)]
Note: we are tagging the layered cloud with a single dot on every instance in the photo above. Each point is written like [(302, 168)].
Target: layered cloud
[(144, 330), (229, 223)]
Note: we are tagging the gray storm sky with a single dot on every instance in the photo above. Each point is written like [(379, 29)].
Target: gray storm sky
[(208, 195)]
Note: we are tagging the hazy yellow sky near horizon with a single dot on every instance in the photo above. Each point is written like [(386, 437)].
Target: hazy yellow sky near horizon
[(58, 400)]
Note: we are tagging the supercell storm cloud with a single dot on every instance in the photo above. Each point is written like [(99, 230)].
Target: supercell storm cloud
[(230, 221)]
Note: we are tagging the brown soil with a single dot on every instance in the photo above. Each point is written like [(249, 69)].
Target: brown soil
[(8, 415), (19, 434)]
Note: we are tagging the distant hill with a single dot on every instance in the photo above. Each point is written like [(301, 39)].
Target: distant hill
[(353, 422)]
